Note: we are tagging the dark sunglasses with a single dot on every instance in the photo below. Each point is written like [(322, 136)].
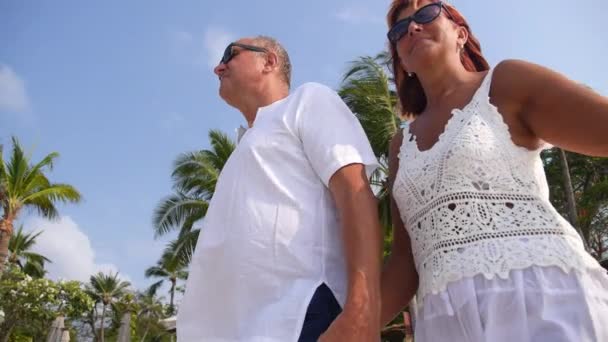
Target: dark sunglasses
[(229, 53), (424, 15)]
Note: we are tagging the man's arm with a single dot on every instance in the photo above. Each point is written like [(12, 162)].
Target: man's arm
[(357, 207)]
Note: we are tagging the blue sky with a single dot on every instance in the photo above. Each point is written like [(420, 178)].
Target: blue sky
[(119, 88)]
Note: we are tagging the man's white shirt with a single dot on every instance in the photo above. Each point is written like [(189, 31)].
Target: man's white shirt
[(271, 234)]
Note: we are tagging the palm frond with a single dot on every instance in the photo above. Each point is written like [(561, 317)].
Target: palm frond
[(46, 162), (196, 174), (183, 247), (2, 174), (23, 185), (104, 287), (366, 89), (176, 210), (19, 246), (151, 291), (34, 269), (222, 147), (156, 271), (55, 193), (17, 166)]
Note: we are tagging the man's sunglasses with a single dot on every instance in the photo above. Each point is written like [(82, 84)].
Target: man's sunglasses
[(229, 53), (424, 15)]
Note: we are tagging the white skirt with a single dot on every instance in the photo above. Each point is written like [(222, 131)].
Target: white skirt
[(533, 304)]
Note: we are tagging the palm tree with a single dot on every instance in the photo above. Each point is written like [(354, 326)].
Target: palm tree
[(150, 313), (180, 211), (121, 314), (170, 267), (569, 194), (20, 253), (195, 176), (105, 289), (182, 248), (23, 185), (578, 187), (367, 90)]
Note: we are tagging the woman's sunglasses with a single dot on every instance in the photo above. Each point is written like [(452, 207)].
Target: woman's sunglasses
[(424, 15), (229, 53)]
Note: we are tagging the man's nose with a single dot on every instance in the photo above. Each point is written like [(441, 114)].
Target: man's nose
[(219, 69)]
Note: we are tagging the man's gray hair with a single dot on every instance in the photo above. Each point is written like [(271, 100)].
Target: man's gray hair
[(282, 56)]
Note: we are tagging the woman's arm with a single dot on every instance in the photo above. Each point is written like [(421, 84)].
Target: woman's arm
[(399, 280), (555, 109)]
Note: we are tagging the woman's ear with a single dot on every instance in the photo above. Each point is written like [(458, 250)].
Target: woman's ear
[(462, 36)]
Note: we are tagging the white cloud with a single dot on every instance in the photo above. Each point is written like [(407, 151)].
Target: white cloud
[(357, 14), (215, 41), (13, 96), (182, 37), (183, 46), (201, 51), (69, 249), (172, 123)]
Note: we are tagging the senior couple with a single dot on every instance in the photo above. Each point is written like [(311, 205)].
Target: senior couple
[(291, 244)]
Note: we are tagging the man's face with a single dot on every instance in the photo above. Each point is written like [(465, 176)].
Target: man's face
[(242, 72)]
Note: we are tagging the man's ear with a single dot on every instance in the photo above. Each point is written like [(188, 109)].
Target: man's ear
[(271, 62)]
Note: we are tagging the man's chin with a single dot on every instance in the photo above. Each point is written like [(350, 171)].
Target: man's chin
[(223, 91), (226, 95)]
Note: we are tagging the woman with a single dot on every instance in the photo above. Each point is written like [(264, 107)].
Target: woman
[(474, 232)]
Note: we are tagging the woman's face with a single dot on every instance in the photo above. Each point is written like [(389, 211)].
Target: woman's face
[(427, 44)]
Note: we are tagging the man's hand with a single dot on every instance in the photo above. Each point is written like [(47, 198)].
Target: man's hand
[(348, 327), (359, 321)]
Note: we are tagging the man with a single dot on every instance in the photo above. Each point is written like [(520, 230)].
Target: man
[(291, 244)]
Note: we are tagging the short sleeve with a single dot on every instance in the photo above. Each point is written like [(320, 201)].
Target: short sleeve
[(331, 135)]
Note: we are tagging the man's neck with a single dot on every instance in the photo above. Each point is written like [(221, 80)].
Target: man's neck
[(262, 97)]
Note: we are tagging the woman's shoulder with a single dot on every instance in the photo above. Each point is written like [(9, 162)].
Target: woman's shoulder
[(508, 84), (513, 74)]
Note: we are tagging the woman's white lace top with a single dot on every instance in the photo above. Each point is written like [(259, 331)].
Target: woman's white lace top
[(476, 203)]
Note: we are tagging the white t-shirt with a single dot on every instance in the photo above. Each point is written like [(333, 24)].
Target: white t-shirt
[(271, 235)]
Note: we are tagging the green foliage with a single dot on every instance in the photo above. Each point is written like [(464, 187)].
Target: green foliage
[(194, 177), (106, 290), (32, 304), (25, 185), (20, 253), (589, 176), (367, 90), (171, 268)]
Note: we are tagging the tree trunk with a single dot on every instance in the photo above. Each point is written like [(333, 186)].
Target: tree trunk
[(102, 328), (569, 192), (94, 317), (171, 307), (124, 331), (6, 231), (143, 338), (5, 331)]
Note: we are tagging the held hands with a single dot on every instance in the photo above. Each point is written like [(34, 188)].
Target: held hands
[(352, 326)]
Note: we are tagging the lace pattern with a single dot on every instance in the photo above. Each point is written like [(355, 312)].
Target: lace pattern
[(475, 203)]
